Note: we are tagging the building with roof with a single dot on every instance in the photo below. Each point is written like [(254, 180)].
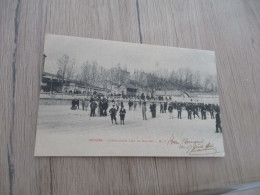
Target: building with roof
[(52, 83), (125, 89)]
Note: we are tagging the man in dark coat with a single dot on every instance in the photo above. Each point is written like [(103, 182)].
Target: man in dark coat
[(113, 112), (74, 104), (218, 123), (122, 113), (153, 110), (93, 106)]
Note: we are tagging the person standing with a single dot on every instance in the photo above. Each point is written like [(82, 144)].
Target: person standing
[(117, 105), (98, 106), (101, 107), (135, 104), (170, 109), (83, 103), (189, 110), (161, 107), (203, 112), (144, 110), (195, 110), (105, 107), (74, 104), (179, 109), (93, 106), (218, 123), (165, 107), (122, 113), (211, 111), (153, 110), (77, 100), (129, 104), (86, 104), (113, 112)]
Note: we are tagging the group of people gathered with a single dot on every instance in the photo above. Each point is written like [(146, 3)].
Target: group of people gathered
[(194, 110)]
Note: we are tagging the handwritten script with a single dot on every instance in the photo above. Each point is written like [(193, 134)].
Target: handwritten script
[(197, 147), (193, 147)]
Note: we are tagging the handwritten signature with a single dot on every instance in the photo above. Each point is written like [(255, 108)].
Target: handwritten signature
[(194, 147)]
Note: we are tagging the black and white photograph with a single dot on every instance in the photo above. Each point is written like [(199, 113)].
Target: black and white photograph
[(109, 98)]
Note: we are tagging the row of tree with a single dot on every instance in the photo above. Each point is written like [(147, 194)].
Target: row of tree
[(92, 73), (185, 78)]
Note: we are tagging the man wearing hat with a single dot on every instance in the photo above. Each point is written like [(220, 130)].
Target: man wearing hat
[(113, 112)]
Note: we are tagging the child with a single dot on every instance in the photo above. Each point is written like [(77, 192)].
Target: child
[(112, 112)]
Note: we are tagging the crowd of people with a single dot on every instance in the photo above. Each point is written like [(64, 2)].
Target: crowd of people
[(101, 105)]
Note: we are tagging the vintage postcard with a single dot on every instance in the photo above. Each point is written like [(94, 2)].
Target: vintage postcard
[(109, 98)]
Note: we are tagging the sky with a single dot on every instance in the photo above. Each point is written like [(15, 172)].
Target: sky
[(134, 56)]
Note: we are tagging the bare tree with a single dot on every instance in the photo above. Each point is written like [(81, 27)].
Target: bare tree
[(103, 77), (180, 76), (173, 78), (207, 82), (85, 72), (118, 75), (188, 78), (197, 80), (65, 68), (94, 74)]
